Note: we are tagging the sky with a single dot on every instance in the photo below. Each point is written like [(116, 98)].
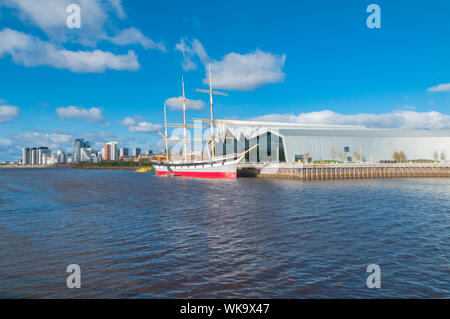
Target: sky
[(298, 61)]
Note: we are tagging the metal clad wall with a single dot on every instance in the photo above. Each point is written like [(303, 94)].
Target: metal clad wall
[(376, 147), (318, 141)]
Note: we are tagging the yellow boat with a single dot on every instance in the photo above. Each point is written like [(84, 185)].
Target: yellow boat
[(144, 170)]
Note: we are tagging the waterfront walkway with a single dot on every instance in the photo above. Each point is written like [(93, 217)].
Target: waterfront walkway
[(343, 171)]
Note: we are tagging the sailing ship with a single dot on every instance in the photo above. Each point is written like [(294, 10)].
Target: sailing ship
[(223, 167)]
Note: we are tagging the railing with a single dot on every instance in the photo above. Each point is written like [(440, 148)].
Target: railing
[(344, 171)]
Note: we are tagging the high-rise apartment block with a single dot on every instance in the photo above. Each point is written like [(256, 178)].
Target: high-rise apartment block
[(77, 145)]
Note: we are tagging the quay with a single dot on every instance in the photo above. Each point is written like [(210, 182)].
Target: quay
[(343, 171)]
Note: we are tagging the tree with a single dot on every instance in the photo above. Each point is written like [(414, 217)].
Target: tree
[(357, 156), (395, 156), (402, 156), (306, 157), (333, 154), (399, 156), (435, 155)]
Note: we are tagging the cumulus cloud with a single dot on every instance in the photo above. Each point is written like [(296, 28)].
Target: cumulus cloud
[(395, 119), (178, 106), (118, 9), (74, 112), (51, 16), (246, 72), (128, 121), (5, 142), (440, 88), (191, 49), (134, 36), (144, 127), (8, 113), (139, 127), (52, 140), (240, 72), (31, 51)]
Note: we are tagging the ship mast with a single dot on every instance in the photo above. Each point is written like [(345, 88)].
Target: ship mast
[(212, 117), (183, 100), (165, 132), (184, 125), (211, 92)]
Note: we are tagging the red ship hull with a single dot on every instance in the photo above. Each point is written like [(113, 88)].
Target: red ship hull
[(218, 175)]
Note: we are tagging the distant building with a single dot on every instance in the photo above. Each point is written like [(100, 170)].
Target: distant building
[(46, 156), (95, 158), (49, 159), (123, 152), (107, 152), (77, 145), (61, 157), (41, 153), (110, 152), (26, 156), (136, 151), (34, 160), (296, 142), (85, 154), (114, 151), (149, 152)]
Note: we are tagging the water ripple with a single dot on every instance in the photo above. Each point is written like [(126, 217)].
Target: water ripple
[(140, 236)]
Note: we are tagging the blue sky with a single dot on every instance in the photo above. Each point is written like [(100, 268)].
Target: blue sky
[(301, 61)]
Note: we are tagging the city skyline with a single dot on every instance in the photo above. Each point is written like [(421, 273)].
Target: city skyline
[(81, 152), (307, 63)]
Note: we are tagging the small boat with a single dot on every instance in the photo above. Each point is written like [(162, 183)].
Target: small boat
[(145, 170)]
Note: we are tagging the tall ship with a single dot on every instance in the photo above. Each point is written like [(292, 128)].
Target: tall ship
[(222, 167)]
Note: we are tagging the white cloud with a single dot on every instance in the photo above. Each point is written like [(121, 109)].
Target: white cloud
[(440, 88), (75, 112), (96, 17), (8, 113), (51, 16), (395, 119), (118, 9), (191, 49), (31, 51), (134, 36), (144, 127), (246, 72), (178, 106), (140, 127), (128, 121), (5, 142), (52, 140), (241, 72)]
